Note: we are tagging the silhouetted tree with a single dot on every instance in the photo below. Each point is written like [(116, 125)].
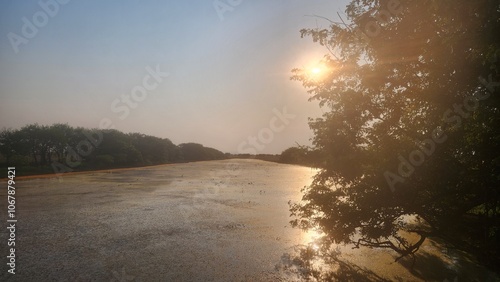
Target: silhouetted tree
[(294, 155), (119, 145), (41, 145), (60, 136), (196, 152), (154, 150), (411, 126), (7, 143), (30, 137)]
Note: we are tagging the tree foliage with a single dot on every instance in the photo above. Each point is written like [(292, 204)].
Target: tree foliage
[(301, 155), (411, 128), (197, 152), (293, 155), (44, 148)]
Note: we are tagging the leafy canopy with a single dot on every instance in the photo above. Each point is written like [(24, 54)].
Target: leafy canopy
[(411, 126)]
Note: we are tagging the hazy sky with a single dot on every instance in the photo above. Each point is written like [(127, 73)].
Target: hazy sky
[(88, 63)]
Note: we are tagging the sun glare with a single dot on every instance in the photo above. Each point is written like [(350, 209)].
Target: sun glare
[(316, 70)]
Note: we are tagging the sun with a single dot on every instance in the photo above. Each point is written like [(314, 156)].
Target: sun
[(316, 70)]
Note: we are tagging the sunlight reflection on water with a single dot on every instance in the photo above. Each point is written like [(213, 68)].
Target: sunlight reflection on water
[(310, 238)]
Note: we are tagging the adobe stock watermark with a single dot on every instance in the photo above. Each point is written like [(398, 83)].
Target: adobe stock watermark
[(137, 95), (122, 107), (221, 179), (30, 28), (224, 6), (427, 147)]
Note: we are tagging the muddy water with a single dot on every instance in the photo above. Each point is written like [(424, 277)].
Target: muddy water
[(205, 221)]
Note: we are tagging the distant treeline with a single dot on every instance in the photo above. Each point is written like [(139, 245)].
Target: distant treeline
[(300, 155), (60, 148)]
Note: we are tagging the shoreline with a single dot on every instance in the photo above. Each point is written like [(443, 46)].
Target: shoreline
[(55, 175)]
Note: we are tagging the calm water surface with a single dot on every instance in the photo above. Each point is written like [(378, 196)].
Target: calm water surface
[(205, 221)]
